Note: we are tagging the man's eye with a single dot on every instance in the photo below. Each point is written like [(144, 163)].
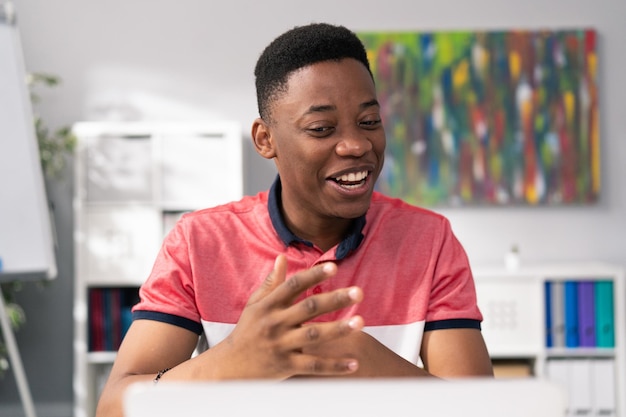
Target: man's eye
[(322, 130), (371, 123)]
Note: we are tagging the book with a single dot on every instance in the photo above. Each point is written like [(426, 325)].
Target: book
[(116, 317), (548, 321), (603, 297), (571, 313), (579, 386), (586, 314), (96, 321), (603, 387), (557, 312), (108, 325)]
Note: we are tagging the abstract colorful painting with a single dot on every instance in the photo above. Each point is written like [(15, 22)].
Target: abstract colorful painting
[(488, 117)]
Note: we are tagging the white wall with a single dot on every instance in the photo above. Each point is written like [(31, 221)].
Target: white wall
[(190, 59), (194, 58)]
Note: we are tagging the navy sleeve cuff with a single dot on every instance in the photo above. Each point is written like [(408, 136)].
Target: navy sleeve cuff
[(168, 318), (452, 324)]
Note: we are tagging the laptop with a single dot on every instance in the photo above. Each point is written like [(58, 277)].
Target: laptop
[(469, 397)]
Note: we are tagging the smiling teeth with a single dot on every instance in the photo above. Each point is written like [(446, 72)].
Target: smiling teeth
[(352, 177)]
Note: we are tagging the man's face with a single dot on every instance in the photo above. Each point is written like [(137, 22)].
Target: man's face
[(328, 140)]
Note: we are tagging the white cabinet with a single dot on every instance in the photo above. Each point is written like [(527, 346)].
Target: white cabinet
[(133, 180), (567, 321)]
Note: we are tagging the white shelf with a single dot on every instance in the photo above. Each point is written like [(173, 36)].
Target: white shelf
[(581, 352), (101, 357), (513, 303), (132, 182)]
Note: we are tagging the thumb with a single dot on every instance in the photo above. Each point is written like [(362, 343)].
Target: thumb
[(276, 277)]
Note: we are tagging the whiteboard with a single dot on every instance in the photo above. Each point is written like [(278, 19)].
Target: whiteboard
[(26, 239)]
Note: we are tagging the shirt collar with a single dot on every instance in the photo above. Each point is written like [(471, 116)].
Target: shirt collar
[(350, 243)]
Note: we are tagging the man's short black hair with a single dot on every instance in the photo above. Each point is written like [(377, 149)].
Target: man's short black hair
[(297, 48)]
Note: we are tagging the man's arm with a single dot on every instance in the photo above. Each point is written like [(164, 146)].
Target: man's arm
[(454, 353), (446, 354), (148, 347)]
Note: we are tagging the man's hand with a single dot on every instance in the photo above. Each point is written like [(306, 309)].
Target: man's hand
[(375, 359), (271, 341)]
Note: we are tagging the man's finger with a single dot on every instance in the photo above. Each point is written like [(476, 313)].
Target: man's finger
[(273, 280), (288, 291), (320, 304), (313, 334), (314, 365)]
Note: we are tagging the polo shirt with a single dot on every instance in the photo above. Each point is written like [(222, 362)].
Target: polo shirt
[(414, 273)]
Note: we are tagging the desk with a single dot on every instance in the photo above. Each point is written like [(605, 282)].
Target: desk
[(348, 397)]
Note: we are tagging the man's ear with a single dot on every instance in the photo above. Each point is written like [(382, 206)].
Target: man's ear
[(262, 139)]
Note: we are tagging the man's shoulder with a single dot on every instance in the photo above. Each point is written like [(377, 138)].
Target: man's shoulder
[(246, 205)]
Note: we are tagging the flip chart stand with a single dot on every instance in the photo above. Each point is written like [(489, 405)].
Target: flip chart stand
[(16, 361)]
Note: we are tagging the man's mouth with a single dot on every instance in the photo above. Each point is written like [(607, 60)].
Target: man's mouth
[(352, 180)]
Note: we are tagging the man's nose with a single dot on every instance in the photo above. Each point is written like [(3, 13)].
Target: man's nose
[(354, 142)]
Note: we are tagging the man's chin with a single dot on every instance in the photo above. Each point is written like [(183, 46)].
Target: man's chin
[(350, 213)]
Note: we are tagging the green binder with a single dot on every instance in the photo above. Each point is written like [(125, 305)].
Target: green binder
[(605, 319)]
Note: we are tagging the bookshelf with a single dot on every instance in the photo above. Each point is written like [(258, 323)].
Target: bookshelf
[(566, 322), (133, 180)]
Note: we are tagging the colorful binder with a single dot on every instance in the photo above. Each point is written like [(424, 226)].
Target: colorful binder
[(605, 325), (558, 314), (548, 301), (586, 314), (571, 313), (96, 323)]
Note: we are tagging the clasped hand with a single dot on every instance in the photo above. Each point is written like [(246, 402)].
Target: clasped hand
[(273, 338)]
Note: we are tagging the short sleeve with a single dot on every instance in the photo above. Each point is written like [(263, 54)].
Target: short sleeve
[(168, 295), (453, 301)]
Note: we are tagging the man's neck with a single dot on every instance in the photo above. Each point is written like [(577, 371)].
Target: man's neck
[(322, 233)]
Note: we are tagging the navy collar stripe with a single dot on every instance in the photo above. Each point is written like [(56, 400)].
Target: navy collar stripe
[(350, 243)]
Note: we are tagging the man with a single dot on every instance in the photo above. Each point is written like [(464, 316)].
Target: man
[(320, 275)]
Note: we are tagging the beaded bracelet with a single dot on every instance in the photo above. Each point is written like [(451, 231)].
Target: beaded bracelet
[(160, 374)]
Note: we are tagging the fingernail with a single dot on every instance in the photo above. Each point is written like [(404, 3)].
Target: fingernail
[(327, 267), (354, 293), (353, 365), (354, 323)]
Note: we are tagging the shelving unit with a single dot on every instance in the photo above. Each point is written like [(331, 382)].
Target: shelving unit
[(521, 315), (133, 180)]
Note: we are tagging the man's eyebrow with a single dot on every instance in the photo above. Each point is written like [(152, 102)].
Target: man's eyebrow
[(320, 108), (330, 107), (372, 103)]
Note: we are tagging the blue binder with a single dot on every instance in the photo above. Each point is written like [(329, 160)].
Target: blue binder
[(571, 314), (548, 301)]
